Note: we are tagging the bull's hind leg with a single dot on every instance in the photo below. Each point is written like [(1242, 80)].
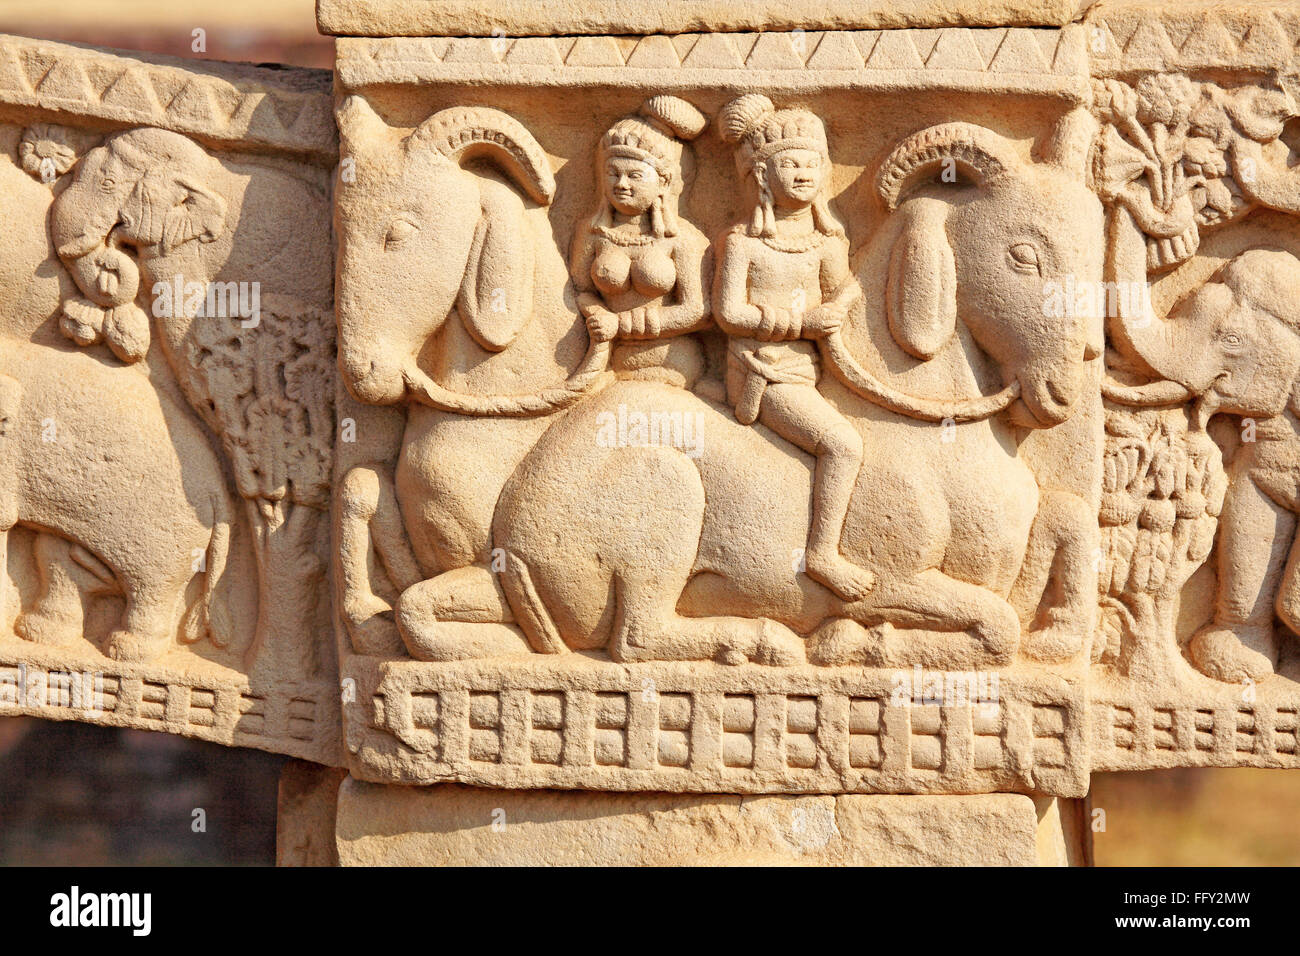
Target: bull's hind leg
[(648, 627), (978, 628), (457, 615)]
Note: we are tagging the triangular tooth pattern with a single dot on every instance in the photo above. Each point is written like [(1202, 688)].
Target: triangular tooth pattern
[(12, 76), (132, 90), (924, 41), (714, 51), (534, 51), (836, 51), (167, 85), (955, 50), (594, 51), (35, 65), (1209, 42), (988, 42), (654, 52), (866, 42), (288, 107), (1104, 48), (66, 80), (1150, 43), (1265, 44), (895, 51), (1019, 53), (475, 50), (193, 105), (775, 51), (1070, 58)]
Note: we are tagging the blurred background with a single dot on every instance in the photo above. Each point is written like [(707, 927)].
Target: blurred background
[(77, 794)]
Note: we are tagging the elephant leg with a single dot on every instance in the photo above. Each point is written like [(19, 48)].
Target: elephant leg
[(1057, 583), (457, 615), (1254, 536), (58, 616), (930, 601), (150, 624), (373, 556)]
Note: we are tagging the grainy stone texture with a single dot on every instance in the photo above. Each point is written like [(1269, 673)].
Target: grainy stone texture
[(452, 825), (719, 399)]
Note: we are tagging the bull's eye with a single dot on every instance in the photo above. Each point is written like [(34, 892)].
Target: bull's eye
[(107, 184), (1024, 258), (399, 231), (1232, 340)]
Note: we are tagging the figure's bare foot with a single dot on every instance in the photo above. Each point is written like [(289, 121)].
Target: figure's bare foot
[(848, 580), (1234, 656)]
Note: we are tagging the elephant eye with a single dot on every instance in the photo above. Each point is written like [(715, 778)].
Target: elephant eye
[(108, 184), (1232, 340), (399, 231), (1024, 258)]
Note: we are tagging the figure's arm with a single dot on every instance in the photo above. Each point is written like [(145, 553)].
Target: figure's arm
[(840, 290), (602, 324), (731, 307)]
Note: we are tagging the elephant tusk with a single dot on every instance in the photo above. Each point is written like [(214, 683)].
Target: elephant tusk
[(862, 383), (1152, 395)]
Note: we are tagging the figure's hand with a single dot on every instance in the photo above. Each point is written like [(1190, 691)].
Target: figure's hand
[(602, 325), (822, 321), (642, 323)]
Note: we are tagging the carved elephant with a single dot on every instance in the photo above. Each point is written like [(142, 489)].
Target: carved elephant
[(1233, 346), (115, 477), (122, 487)]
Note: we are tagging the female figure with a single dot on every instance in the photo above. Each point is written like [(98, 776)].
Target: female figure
[(783, 279), (638, 268)]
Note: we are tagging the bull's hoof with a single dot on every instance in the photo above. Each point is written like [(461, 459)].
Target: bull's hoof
[(841, 641), (126, 645), (1234, 656), (43, 629), (1058, 641), (462, 640)]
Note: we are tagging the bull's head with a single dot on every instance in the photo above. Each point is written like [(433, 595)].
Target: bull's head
[(419, 236), (987, 238)]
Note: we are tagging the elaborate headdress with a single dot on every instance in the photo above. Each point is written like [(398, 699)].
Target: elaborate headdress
[(654, 136), (761, 131)]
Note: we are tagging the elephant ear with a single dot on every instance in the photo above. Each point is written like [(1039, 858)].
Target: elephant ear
[(921, 297), (496, 294)]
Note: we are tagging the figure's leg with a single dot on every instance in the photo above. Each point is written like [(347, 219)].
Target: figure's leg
[(371, 538), (58, 616), (1254, 536), (1059, 567), (929, 601), (800, 415)]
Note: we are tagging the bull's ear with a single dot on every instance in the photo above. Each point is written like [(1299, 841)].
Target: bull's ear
[(922, 295), (496, 295)]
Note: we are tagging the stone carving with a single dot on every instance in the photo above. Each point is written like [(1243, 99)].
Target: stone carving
[(691, 399), (170, 320)]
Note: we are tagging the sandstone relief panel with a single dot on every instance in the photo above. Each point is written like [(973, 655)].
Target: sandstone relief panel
[(825, 411), (683, 433), (167, 392)]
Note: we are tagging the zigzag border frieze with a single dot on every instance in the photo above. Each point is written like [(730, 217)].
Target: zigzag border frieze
[(1041, 60), (284, 110)]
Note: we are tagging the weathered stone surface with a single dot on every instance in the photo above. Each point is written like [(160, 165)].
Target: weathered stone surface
[(566, 17), (166, 391), (453, 825)]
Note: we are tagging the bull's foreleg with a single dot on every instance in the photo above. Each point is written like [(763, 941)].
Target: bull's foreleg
[(1057, 584), (375, 562)]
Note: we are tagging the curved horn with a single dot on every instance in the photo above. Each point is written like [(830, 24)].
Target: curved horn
[(978, 152), (464, 132)]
